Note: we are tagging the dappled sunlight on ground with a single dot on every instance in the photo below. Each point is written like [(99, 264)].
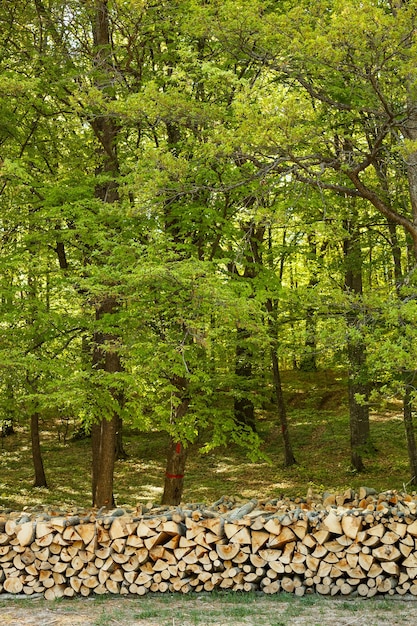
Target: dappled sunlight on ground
[(384, 416), (320, 439)]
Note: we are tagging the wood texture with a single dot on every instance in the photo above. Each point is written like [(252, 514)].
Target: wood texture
[(339, 545)]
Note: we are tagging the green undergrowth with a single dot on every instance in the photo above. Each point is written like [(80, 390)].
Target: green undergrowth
[(319, 427)]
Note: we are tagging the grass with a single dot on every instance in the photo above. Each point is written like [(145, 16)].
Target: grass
[(319, 427), (212, 609)]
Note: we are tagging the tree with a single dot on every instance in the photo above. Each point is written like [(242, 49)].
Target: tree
[(358, 383), (346, 122), (193, 179)]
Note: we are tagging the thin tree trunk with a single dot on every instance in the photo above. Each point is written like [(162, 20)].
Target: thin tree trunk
[(244, 409), (40, 478), (308, 360), (358, 386), (32, 321), (410, 128), (120, 452), (396, 254), (271, 308), (289, 458), (409, 432)]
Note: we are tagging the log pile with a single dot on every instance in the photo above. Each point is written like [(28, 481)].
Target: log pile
[(363, 544)]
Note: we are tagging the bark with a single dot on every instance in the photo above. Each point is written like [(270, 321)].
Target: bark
[(174, 473), (308, 362), (244, 410), (40, 478), (289, 458), (358, 411), (102, 437), (410, 131), (356, 349), (177, 453), (103, 433), (396, 254), (409, 432), (120, 452), (271, 307)]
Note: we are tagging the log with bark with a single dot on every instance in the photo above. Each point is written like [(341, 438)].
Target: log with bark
[(340, 544)]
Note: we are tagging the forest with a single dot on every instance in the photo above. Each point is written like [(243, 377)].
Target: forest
[(196, 198)]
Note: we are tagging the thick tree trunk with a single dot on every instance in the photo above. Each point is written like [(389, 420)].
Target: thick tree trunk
[(177, 453), (174, 473), (409, 432), (102, 441), (104, 431), (358, 410), (40, 478), (105, 346)]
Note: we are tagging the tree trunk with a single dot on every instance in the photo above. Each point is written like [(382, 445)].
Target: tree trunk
[(40, 478), (32, 321), (103, 432), (410, 130), (289, 458), (358, 392), (358, 386), (120, 452), (396, 254), (174, 473), (105, 345), (308, 361), (271, 308), (358, 410), (102, 441), (409, 432), (177, 453), (244, 410)]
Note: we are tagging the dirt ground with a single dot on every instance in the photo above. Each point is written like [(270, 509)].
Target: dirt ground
[(208, 610)]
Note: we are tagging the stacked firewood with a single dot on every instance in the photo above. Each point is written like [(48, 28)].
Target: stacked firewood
[(353, 543)]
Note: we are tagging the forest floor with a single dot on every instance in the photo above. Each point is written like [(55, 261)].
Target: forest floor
[(319, 426)]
